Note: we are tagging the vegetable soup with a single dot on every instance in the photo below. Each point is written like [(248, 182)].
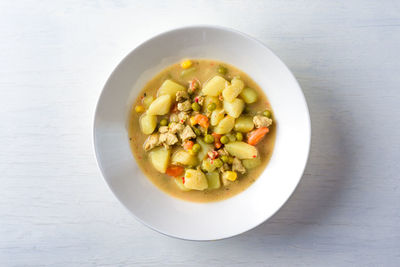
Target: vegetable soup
[(202, 130)]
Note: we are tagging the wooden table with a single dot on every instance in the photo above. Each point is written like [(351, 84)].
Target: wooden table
[(55, 208)]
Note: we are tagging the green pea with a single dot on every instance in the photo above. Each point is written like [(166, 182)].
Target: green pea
[(196, 131), (196, 106), (209, 139), (239, 136), (224, 139), (222, 70), (217, 163), (267, 114), (164, 122), (196, 148), (212, 107), (225, 158)]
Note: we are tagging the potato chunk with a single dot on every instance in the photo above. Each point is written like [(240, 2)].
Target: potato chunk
[(160, 106), (180, 184), (182, 157), (232, 91), (234, 108), (170, 88), (249, 95), (225, 125), (251, 163), (215, 86), (159, 157), (241, 150), (244, 124), (195, 179), (148, 123), (216, 116)]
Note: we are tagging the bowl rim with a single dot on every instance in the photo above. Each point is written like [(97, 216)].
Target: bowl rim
[(204, 27)]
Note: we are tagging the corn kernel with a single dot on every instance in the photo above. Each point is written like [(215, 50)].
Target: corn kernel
[(229, 175), (186, 64), (139, 109), (192, 121)]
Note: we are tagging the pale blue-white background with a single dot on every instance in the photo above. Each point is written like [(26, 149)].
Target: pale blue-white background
[(56, 210)]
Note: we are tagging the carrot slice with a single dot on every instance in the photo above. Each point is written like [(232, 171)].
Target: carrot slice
[(202, 120), (255, 136), (217, 138), (188, 145), (175, 170)]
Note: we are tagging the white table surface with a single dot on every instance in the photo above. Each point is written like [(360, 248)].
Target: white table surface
[(55, 208)]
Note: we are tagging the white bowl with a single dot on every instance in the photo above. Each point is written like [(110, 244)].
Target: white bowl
[(215, 220)]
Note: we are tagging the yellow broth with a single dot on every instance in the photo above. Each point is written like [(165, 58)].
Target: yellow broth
[(205, 70)]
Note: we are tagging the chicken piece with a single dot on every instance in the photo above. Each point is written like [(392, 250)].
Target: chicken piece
[(183, 116), (200, 100), (237, 166), (174, 117), (168, 139), (185, 106), (151, 142), (212, 154), (176, 128), (261, 121), (181, 96), (163, 129), (187, 133), (225, 167), (222, 152)]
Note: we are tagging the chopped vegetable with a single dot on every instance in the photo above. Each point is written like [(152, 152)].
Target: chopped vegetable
[(196, 106), (205, 148), (188, 145), (216, 116), (139, 109), (193, 86), (218, 163), (202, 120), (209, 139), (164, 122), (217, 142), (241, 150), (180, 183), (195, 179), (244, 124), (225, 139), (175, 171), (148, 123), (229, 175), (182, 157), (213, 180), (170, 88), (232, 91), (239, 136), (225, 125), (225, 158), (249, 95), (211, 107), (255, 136), (207, 165), (222, 70), (185, 64), (215, 86), (160, 105), (234, 108), (159, 157), (196, 148), (251, 163), (267, 113)]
